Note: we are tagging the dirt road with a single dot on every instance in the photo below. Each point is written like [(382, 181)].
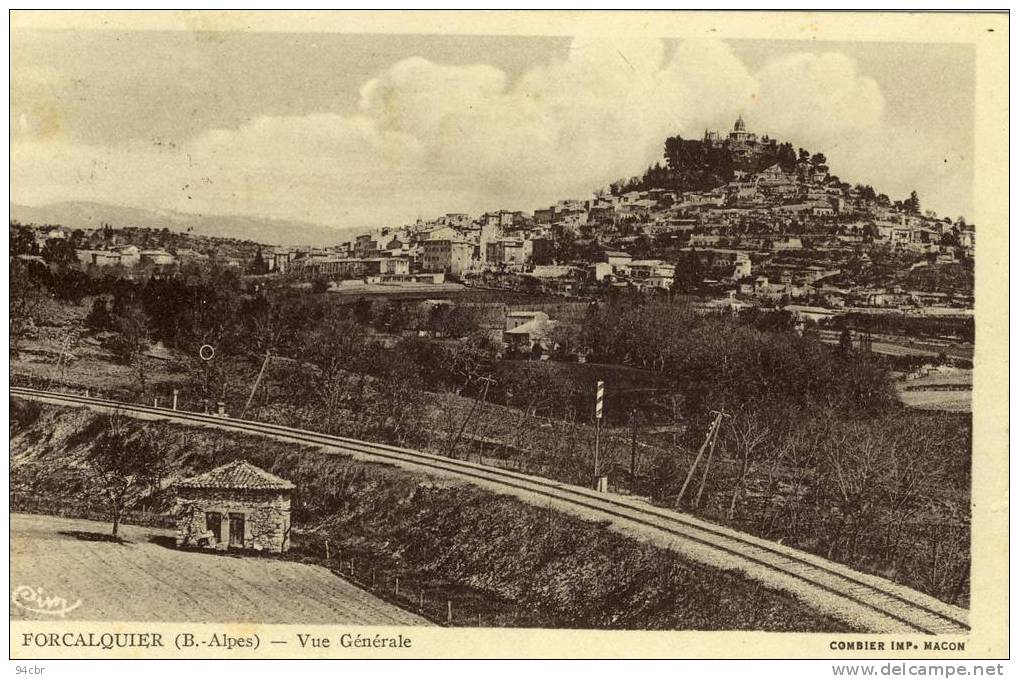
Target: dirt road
[(146, 579)]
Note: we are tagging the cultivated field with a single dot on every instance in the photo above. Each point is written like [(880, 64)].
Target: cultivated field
[(952, 401), (939, 391), (146, 579), (59, 351), (395, 290), (894, 345)]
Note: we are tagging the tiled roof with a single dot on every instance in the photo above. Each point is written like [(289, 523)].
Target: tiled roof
[(239, 474), (539, 327)]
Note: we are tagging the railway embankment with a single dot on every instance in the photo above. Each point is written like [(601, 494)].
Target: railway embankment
[(451, 551)]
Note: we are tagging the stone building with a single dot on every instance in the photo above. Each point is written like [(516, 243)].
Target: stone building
[(235, 506), (449, 256)]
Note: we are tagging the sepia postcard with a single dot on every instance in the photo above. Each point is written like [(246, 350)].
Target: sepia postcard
[(517, 334)]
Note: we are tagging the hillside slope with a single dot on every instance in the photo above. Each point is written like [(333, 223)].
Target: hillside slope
[(494, 556)]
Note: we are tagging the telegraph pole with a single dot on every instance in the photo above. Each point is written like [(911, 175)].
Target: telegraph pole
[(484, 396), (599, 398), (707, 463), (254, 387), (708, 439), (206, 352), (633, 445), (488, 380)]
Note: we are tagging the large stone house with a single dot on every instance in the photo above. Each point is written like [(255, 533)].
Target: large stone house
[(449, 256), (235, 506), (525, 329)]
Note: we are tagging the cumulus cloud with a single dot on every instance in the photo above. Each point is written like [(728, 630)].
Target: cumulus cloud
[(426, 138), (815, 97)]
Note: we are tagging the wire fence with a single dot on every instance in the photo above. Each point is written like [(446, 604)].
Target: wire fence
[(440, 601)]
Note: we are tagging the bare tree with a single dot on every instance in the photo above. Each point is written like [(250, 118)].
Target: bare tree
[(747, 434), (123, 465), (468, 358), (397, 403), (851, 482), (336, 349), (132, 341)]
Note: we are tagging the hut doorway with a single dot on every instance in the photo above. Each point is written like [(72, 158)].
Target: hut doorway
[(236, 530)]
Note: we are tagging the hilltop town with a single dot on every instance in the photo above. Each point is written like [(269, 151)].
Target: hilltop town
[(738, 217)]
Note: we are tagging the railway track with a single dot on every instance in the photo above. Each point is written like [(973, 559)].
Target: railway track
[(859, 599)]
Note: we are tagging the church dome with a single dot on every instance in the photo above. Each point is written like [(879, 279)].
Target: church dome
[(740, 126)]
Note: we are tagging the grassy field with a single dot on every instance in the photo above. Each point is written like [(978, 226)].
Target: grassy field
[(144, 578), (951, 392), (398, 290), (935, 399), (891, 345), (957, 378)]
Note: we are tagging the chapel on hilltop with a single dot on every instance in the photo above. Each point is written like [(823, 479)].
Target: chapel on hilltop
[(743, 144)]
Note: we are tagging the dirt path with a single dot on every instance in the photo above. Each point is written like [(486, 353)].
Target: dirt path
[(146, 579)]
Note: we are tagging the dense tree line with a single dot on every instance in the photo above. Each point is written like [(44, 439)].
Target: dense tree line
[(696, 165), (720, 360)]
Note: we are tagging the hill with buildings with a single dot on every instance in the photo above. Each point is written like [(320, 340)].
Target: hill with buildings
[(740, 217)]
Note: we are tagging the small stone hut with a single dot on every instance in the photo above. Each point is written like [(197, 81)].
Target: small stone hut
[(236, 506)]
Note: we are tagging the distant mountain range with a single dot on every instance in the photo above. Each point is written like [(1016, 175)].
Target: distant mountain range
[(86, 215)]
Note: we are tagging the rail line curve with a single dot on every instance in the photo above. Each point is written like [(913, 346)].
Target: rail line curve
[(860, 599)]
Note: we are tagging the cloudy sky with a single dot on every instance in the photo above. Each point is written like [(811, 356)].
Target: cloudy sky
[(364, 130)]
